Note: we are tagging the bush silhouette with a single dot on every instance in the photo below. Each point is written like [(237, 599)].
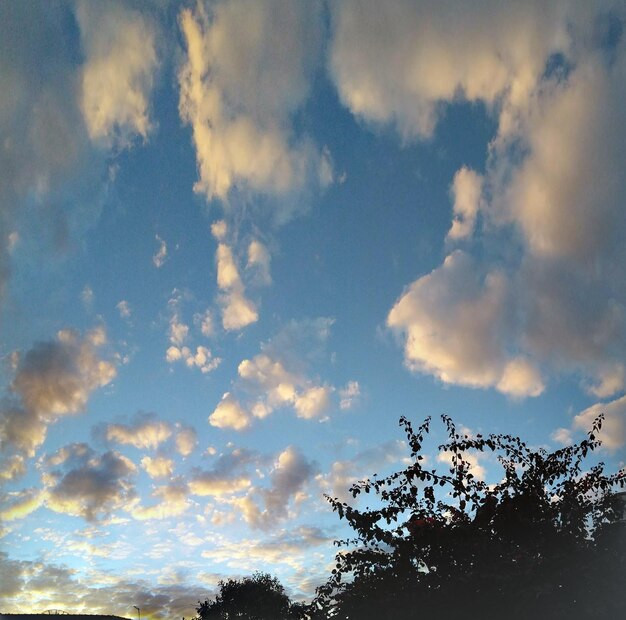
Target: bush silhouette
[(259, 597), (546, 541)]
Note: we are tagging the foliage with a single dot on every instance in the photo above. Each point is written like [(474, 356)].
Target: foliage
[(546, 541), (259, 597)]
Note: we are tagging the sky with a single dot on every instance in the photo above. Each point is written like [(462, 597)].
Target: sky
[(239, 239)]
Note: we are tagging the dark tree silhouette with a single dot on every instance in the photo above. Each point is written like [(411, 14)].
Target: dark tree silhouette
[(259, 597), (547, 541)]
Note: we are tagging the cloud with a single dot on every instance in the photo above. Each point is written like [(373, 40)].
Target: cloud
[(237, 310), (229, 414), (259, 262), (186, 441), (158, 467), (466, 190), (542, 293), (12, 467), (228, 475), (403, 69), (239, 92), (43, 586), (21, 504), (172, 502), (202, 358), (278, 377), (456, 324), (205, 321), (124, 309), (613, 433), (53, 379), (264, 508), (349, 395), (343, 473), (146, 432), (90, 485), (117, 78), (161, 254)]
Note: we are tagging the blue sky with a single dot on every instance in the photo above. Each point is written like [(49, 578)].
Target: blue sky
[(240, 239)]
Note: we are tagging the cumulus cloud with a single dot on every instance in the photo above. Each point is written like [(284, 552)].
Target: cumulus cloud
[(553, 80), (53, 379), (613, 432), (117, 78), (186, 441), (205, 322), (229, 414), (239, 92), (90, 485), (146, 432), (21, 504), (158, 467), (278, 377), (264, 508), (172, 502), (202, 359), (227, 476), (456, 325), (403, 68)]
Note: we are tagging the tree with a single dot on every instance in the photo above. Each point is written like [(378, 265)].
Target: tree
[(259, 597), (546, 541)]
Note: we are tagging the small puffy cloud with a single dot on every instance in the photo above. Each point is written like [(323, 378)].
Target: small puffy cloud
[(237, 310), (472, 458), (466, 190), (520, 379), (264, 508), (239, 92), (161, 254), (202, 358), (186, 441), (219, 229), (312, 402), (146, 432), (92, 486), (259, 262), (229, 414), (123, 307), (206, 323), (117, 78), (562, 436), (158, 467), (172, 502), (349, 395), (87, 296), (178, 331), (613, 432), (53, 379)]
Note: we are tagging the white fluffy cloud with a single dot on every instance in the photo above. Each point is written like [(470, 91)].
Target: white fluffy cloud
[(239, 90), (120, 61), (53, 379), (229, 414), (553, 188), (456, 326), (158, 467), (145, 433)]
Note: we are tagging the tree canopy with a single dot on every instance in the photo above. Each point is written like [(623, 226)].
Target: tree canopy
[(259, 597), (547, 540)]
